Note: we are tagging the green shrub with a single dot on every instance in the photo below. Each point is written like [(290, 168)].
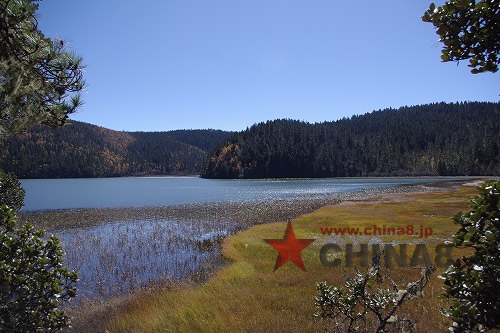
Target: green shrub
[(473, 282), (11, 193), (33, 281)]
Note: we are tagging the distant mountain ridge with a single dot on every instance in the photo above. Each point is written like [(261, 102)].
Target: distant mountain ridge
[(84, 150), (434, 139)]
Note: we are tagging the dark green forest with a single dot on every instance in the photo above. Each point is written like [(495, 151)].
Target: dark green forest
[(84, 150), (435, 139)]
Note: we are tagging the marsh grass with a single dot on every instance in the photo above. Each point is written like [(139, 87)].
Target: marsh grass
[(247, 295), (117, 251)]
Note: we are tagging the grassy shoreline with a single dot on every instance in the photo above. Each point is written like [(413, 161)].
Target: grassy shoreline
[(246, 295)]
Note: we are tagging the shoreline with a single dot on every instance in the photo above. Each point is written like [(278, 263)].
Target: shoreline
[(247, 213), (281, 178), (102, 310), (230, 217)]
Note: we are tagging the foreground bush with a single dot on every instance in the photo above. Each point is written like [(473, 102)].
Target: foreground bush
[(11, 193), (473, 282), (33, 281), (370, 301)]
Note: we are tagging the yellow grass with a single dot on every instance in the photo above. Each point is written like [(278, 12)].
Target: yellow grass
[(248, 296)]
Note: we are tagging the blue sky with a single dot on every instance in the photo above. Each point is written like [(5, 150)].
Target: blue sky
[(227, 64)]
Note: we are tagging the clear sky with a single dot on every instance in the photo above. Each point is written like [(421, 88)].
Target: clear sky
[(227, 64)]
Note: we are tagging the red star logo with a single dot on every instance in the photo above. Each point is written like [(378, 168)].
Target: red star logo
[(289, 248)]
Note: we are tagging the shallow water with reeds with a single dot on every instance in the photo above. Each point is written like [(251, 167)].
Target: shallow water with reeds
[(126, 233), (114, 258)]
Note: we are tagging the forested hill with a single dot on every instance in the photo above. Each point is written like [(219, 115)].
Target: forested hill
[(435, 139), (83, 150)]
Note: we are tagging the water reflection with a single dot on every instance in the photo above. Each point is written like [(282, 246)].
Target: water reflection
[(112, 259)]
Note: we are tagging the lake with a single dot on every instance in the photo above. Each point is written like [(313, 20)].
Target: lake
[(49, 194), (117, 257)]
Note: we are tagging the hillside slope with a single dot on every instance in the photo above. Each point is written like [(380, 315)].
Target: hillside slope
[(85, 150), (434, 139)]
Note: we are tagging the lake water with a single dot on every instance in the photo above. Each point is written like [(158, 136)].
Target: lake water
[(118, 257), (115, 258), (47, 194)]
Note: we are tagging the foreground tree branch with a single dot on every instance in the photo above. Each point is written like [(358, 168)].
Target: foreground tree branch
[(468, 30), (365, 297), (40, 80)]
